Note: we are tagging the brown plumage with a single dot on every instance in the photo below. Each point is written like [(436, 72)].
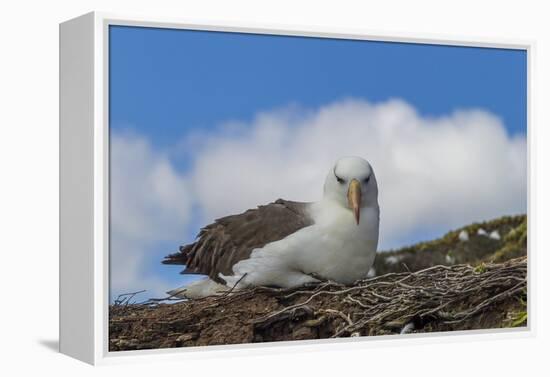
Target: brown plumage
[(230, 239)]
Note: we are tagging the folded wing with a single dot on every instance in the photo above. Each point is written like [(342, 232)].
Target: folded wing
[(230, 239)]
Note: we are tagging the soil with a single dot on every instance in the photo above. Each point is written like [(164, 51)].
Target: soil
[(440, 298)]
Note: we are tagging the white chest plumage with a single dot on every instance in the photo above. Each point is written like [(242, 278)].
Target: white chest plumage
[(340, 249), (334, 248)]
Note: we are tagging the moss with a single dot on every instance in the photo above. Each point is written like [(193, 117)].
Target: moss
[(518, 316), (518, 234), (515, 244), (517, 319), (507, 252), (480, 268)]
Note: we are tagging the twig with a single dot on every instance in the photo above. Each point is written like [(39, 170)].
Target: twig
[(234, 285)]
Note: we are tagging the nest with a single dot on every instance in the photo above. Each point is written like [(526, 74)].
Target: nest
[(439, 298)]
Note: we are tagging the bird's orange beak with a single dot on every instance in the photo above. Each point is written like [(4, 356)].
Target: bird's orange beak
[(354, 198)]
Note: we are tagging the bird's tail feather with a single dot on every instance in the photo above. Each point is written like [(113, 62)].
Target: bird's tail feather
[(199, 289)]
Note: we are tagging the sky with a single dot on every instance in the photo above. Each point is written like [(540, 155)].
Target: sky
[(206, 124)]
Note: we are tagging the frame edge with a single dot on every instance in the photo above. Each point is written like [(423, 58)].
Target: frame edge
[(76, 194)]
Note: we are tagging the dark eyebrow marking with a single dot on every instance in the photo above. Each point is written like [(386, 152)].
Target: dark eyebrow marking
[(340, 180)]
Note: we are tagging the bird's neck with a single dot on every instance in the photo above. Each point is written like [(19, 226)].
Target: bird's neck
[(329, 211)]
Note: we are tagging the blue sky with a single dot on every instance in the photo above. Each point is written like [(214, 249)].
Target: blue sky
[(171, 80), (166, 84)]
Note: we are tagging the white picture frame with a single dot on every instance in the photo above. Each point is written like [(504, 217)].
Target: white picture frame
[(84, 184)]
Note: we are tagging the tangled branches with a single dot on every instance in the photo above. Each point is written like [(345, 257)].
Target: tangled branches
[(441, 293), (439, 298)]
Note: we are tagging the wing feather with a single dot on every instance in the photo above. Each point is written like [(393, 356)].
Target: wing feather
[(230, 239)]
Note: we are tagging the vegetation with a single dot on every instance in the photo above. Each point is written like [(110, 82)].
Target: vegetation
[(449, 249)]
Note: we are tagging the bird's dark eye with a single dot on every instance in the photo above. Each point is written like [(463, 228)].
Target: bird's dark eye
[(338, 179), (366, 180)]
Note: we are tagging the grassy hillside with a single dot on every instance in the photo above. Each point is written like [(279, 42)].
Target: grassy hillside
[(449, 249)]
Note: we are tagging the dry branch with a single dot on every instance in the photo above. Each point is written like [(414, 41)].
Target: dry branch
[(439, 298)]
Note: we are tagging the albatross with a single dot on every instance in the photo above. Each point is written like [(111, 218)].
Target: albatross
[(288, 244)]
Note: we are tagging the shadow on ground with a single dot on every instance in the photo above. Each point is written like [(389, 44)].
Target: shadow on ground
[(51, 344)]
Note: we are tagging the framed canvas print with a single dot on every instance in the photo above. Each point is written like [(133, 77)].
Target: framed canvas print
[(225, 187)]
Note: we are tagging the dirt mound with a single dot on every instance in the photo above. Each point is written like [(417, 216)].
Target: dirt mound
[(439, 298)]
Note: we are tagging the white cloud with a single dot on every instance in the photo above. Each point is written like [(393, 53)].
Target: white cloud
[(433, 173), (150, 203), (150, 200)]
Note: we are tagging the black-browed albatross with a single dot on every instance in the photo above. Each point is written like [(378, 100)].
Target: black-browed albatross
[(288, 244)]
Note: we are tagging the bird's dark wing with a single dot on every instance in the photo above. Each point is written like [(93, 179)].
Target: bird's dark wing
[(232, 238)]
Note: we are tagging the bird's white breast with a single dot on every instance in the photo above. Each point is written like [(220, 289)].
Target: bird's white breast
[(340, 249), (334, 248)]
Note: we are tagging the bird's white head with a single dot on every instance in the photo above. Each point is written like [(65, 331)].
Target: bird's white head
[(352, 184)]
